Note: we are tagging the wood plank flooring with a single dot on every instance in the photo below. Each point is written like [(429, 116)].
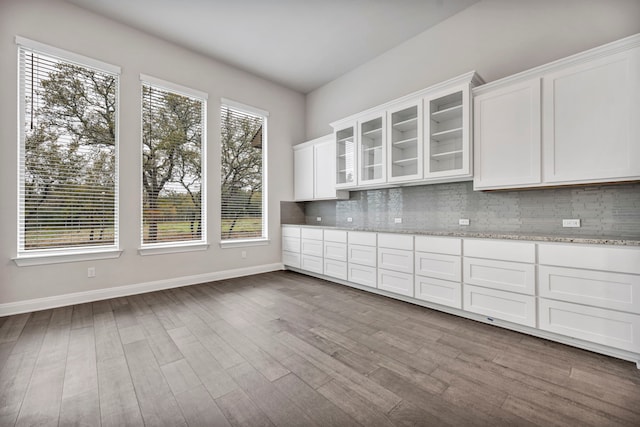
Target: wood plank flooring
[(283, 349)]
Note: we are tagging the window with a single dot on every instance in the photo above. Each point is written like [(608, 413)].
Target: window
[(173, 175), (243, 160), (68, 179)]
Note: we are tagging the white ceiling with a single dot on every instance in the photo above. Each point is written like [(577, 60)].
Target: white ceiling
[(301, 44)]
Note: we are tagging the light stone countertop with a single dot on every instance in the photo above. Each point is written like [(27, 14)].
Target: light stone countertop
[(594, 240)]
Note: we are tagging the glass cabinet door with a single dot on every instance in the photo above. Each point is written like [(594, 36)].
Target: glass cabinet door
[(372, 151), (345, 157), (405, 143)]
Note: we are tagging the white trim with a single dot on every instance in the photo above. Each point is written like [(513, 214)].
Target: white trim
[(241, 243), (36, 304), (51, 258), (244, 107), (173, 87), (172, 249), (67, 56)]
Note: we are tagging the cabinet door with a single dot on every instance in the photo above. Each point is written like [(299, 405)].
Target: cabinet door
[(447, 141), (372, 150), (345, 157), (303, 173), (592, 120), (324, 170), (404, 139), (507, 137)]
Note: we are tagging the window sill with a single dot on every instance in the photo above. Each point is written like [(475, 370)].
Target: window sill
[(43, 259), (225, 244), (173, 249)]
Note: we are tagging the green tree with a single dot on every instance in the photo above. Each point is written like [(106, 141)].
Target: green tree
[(172, 143), (241, 168)]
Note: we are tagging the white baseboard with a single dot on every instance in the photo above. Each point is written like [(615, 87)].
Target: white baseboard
[(37, 304)]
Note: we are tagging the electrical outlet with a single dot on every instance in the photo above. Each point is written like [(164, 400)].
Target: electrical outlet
[(243, 254), (463, 221), (318, 218), (571, 223), (397, 220), (349, 219), (91, 272)]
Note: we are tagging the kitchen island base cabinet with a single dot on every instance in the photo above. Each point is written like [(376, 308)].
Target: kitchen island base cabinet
[(512, 307), (598, 325)]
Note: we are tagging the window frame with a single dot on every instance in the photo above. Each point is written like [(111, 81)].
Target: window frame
[(77, 253), (146, 249), (264, 239)]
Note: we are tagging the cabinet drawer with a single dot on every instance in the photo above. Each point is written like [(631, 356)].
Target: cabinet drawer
[(291, 259), (501, 250), (311, 263), (337, 269), (336, 251), (291, 231), (598, 288), (396, 282), (621, 260), (311, 247), (439, 291), (291, 244), (439, 245), (311, 233), (395, 241), (339, 236), (362, 275), (607, 327), (362, 238), (503, 275), (446, 267), (396, 260), (509, 306), (363, 255)]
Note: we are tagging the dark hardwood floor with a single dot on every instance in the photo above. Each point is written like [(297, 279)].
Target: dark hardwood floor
[(289, 350)]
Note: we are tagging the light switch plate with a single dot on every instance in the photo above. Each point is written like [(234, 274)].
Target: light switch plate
[(463, 221), (571, 223)]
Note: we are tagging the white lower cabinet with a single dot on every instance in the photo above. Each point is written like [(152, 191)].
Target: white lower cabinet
[(337, 269), (362, 275), (396, 282), (442, 292), (598, 325), (509, 306), (581, 294)]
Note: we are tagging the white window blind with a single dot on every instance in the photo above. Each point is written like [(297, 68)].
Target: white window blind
[(243, 140), (173, 125), (68, 179)]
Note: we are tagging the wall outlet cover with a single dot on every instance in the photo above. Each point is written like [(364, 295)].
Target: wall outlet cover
[(571, 223), (318, 218), (463, 221), (349, 219), (397, 220)]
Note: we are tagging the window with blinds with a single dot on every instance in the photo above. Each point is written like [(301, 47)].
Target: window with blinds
[(172, 164), (243, 140), (68, 180)]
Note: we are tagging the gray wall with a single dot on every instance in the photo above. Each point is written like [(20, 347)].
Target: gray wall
[(497, 38), (610, 211), (66, 26)]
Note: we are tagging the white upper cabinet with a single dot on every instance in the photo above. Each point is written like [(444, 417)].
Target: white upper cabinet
[(421, 138), (314, 169), (447, 133), (405, 147), (345, 140), (591, 120), (507, 136), (371, 150), (574, 121)]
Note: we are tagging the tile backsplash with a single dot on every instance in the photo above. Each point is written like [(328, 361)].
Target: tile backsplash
[(604, 210)]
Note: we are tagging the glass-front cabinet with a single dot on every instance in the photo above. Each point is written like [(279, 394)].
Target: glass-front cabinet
[(371, 143), (404, 155), (447, 142), (345, 157)]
